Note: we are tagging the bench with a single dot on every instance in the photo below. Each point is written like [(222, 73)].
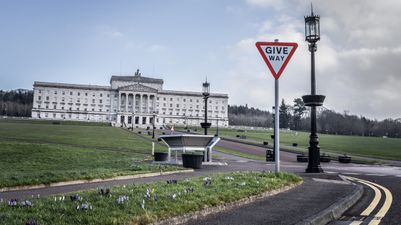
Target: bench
[(190, 142)]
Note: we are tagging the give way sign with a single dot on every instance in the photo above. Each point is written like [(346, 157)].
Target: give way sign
[(276, 55)]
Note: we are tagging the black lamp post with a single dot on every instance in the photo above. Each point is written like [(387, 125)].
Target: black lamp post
[(153, 123), (205, 92), (312, 35)]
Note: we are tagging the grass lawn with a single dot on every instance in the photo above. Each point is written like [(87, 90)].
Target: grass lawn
[(374, 147), (130, 204), (42, 152)]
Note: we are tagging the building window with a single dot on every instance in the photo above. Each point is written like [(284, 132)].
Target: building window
[(47, 98), (62, 99), (55, 92), (39, 98), (108, 95), (171, 99), (40, 91), (70, 92), (184, 100), (93, 109), (93, 95), (178, 105), (101, 95), (93, 100), (100, 101), (47, 106), (62, 107), (54, 106), (77, 108), (70, 108), (86, 93), (79, 93), (54, 115), (164, 99), (171, 105), (63, 93)]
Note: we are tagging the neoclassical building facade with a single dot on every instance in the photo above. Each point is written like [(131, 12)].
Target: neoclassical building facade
[(130, 101)]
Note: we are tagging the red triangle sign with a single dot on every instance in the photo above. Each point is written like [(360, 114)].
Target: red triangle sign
[(276, 55)]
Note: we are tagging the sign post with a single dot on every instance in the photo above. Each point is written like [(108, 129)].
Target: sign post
[(276, 56)]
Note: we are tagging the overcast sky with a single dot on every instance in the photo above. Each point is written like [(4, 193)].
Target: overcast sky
[(85, 42)]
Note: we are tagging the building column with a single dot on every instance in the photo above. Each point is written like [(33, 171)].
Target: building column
[(119, 102), (146, 103), (133, 102), (154, 103), (126, 102), (140, 103)]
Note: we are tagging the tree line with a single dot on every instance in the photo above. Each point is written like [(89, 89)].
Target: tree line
[(16, 103), (296, 117)]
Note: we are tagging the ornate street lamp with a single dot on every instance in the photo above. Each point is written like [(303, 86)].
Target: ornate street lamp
[(312, 35), (205, 92)]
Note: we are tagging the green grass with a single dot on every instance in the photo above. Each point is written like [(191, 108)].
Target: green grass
[(105, 209), (373, 147), (42, 153)]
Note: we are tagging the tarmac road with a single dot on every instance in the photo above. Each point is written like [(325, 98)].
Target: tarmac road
[(255, 150)]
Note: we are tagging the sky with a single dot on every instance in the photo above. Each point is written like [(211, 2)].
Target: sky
[(184, 41)]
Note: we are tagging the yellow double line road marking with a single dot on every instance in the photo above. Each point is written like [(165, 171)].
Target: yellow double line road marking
[(386, 205)]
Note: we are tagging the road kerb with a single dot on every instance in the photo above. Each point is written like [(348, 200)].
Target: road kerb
[(58, 184)]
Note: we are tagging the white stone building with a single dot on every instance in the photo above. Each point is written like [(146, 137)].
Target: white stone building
[(128, 101)]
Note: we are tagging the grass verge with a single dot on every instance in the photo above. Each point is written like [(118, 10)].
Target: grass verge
[(146, 203)]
